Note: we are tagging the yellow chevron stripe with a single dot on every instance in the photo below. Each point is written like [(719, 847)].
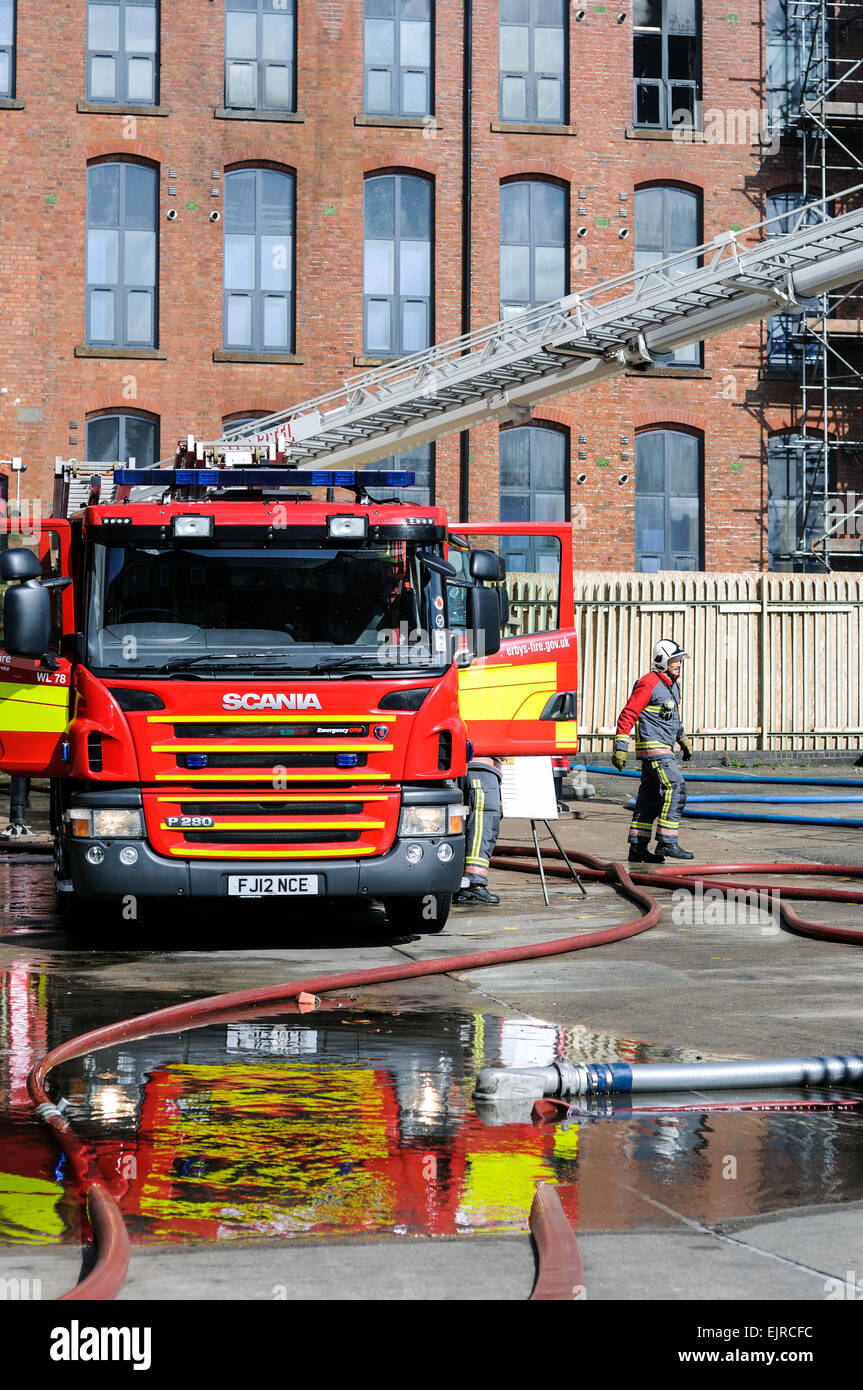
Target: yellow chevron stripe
[(287, 746), (281, 825), (240, 797), (350, 774), (499, 692), (33, 709), (230, 852), (274, 717)]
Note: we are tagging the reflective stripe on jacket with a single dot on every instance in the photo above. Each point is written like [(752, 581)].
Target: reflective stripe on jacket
[(653, 710)]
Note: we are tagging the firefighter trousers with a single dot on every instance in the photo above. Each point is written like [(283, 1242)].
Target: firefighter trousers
[(661, 798), (483, 822)]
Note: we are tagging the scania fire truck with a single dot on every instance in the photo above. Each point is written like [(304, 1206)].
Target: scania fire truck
[(243, 683)]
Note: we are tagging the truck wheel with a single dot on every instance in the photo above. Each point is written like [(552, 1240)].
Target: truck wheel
[(85, 916), (412, 915)]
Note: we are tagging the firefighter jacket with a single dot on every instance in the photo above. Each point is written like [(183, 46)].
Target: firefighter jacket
[(653, 709)]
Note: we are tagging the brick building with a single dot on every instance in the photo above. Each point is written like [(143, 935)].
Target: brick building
[(213, 209)]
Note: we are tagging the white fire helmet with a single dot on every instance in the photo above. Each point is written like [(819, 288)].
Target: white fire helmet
[(666, 651)]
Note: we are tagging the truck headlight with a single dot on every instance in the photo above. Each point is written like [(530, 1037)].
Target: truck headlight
[(105, 822), (423, 820), (113, 821)]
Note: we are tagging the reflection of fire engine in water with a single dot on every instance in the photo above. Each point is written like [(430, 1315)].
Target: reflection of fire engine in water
[(314, 1147)]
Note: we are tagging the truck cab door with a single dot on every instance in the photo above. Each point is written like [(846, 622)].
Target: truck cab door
[(523, 700), (34, 694)]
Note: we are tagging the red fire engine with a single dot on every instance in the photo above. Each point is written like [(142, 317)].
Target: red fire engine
[(241, 690)]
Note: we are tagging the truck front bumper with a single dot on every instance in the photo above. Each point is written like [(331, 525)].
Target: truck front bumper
[(154, 876)]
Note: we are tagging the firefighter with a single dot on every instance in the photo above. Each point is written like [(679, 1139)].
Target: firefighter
[(483, 827), (653, 709)]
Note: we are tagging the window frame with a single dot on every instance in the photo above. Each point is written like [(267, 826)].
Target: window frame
[(121, 56), (397, 299), (533, 491), (121, 288), (669, 493), (813, 518), (664, 83), (260, 62), (671, 359), (532, 244), (258, 295), (396, 69), (531, 75), (11, 50)]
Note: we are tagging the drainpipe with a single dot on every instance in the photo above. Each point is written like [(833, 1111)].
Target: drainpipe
[(466, 175)]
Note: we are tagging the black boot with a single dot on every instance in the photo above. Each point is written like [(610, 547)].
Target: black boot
[(637, 855), (672, 850), (476, 893)]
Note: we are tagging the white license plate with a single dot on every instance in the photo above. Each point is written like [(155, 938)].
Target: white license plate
[(271, 885)]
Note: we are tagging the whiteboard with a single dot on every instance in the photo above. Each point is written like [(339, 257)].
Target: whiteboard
[(527, 789)]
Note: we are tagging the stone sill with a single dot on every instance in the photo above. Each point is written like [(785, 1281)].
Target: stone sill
[(401, 122), (91, 108), (223, 113), (11, 104), (360, 361), (157, 354), (285, 359), (683, 373), (513, 128), (637, 132)]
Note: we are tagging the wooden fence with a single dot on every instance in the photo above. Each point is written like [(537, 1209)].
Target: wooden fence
[(776, 659)]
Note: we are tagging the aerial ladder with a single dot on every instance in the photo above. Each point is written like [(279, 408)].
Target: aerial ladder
[(502, 371)]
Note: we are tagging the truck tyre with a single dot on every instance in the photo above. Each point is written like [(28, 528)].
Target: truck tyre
[(417, 915), (86, 916)]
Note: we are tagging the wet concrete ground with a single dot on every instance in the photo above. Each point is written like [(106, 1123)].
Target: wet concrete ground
[(340, 1154)]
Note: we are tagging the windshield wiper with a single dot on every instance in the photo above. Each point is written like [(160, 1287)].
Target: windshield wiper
[(344, 663), (179, 663)]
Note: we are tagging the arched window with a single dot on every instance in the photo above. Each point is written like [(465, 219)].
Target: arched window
[(397, 265), (795, 499), (668, 501), (533, 244), (534, 486), (259, 261), (122, 51), (533, 61), (260, 39), (667, 221), (397, 46), (119, 437), (121, 255), (420, 461)]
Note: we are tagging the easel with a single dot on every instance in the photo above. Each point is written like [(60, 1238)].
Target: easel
[(563, 852)]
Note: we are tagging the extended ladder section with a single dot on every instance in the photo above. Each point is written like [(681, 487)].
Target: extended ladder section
[(501, 372)]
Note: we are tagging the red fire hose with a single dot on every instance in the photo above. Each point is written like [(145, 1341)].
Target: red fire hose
[(109, 1272)]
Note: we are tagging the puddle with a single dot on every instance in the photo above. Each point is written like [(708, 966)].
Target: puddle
[(347, 1123)]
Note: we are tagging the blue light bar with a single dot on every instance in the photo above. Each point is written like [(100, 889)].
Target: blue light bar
[(262, 477)]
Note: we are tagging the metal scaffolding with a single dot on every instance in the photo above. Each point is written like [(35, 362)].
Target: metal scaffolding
[(824, 114)]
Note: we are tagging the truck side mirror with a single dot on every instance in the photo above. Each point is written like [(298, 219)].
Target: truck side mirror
[(20, 563), (483, 608), (26, 618), (483, 565)]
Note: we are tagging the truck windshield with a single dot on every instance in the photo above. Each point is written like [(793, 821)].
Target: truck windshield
[(289, 608)]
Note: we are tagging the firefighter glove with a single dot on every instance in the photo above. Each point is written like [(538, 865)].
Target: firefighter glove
[(685, 748), (619, 761)]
